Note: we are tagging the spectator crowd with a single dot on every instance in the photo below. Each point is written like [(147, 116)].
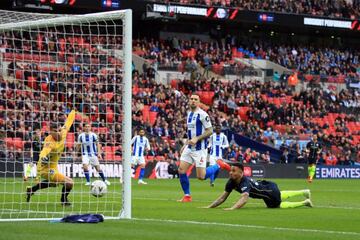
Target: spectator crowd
[(83, 77)]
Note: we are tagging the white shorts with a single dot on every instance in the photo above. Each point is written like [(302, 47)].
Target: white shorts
[(191, 156), (94, 161), (213, 159), (137, 160)]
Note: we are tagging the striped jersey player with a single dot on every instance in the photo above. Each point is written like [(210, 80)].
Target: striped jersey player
[(88, 143), (199, 129), (218, 142), (140, 143)]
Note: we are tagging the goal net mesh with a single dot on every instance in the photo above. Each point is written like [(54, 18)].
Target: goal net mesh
[(51, 64)]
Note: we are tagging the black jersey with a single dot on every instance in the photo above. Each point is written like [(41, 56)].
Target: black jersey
[(314, 148), (266, 190), (36, 147)]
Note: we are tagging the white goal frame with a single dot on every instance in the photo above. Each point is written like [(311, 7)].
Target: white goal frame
[(126, 17)]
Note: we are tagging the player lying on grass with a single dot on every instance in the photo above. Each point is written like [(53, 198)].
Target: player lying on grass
[(266, 190), (47, 169)]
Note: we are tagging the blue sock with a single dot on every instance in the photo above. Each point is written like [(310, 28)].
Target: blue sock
[(185, 184), (87, 176), (211, 170), (216, 174), (102, 175), (212, 178), (142, 173)]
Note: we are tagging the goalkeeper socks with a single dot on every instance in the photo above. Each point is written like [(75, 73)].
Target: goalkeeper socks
[(64, 193), (311, 170), (288, 194), (87, 175), (211, 170), (292, 204), (185, 184), (28, 170), (42, 185), (101, 173), (142, 173)]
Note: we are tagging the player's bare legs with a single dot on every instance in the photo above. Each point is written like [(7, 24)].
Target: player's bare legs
[(200, 173)]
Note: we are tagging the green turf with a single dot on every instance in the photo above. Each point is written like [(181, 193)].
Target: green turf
[(336, 214)]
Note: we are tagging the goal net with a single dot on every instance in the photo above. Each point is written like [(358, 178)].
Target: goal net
[(50, 65)]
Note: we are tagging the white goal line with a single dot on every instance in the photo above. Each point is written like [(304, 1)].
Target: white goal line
[(284, 229)]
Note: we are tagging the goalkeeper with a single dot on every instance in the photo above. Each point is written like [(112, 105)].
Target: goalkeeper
[(54, 145)]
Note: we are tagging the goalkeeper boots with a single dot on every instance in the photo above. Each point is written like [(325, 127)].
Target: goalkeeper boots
[(65, 203), (29, 193)]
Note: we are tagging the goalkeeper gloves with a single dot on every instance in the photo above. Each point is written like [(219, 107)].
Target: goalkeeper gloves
[(44, 159)]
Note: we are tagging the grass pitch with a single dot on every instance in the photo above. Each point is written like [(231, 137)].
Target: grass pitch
[(157, 215)]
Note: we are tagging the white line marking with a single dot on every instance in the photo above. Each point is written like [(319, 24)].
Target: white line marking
[(250, 226)]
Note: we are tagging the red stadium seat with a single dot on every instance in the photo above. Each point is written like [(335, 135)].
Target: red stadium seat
[(109, 154), (109, 115), (152, 117), (145, 113), (32, 83), (108, 96), (174, 83), (19, 74), (242, 112), (70, 140), (44, 87), (18, 143)]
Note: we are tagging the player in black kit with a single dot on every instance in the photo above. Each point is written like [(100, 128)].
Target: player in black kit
[(266, 190), (313, 148), (35, 151)]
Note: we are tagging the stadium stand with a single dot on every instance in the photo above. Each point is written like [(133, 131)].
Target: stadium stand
[(265, 112), (333, 9)]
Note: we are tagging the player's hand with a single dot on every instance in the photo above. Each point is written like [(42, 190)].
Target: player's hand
[(100, 156), (193, 141), (228, 209), (44, 159)]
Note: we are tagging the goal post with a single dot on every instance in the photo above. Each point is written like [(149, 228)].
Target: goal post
[(50, 64)]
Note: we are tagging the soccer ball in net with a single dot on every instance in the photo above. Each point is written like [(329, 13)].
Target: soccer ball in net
[(98, 188)]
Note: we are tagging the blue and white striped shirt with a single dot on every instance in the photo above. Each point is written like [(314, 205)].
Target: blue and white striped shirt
[(88, 143), (197, 122), (218, 143), (139, 144)]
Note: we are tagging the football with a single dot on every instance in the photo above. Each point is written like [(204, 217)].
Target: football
[(98, 188)]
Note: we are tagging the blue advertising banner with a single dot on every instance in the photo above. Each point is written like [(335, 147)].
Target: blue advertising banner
[(345, 172)]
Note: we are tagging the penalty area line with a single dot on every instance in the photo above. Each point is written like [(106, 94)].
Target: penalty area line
[(305, 230)]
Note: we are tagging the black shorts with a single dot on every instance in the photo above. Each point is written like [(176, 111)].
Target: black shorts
[(311, 161), (274, 196)]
